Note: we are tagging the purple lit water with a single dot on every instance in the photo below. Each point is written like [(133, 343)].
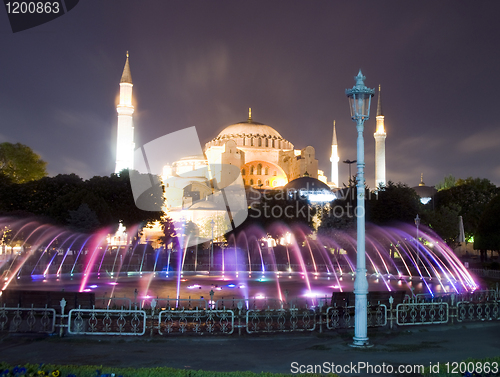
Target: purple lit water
[(303, 265)]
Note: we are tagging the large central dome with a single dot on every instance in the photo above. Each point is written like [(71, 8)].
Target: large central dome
[(250, 135), (248, 129)]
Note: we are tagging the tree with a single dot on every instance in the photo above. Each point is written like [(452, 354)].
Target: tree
[(83, 219), (110, 198), (488, 231), (448, 181), (472, 195), (71, 201), (339, 214), (277, 206), (20, 163), (116, 191), (39, 197), (396, 202), (168, 230), (444, 221)]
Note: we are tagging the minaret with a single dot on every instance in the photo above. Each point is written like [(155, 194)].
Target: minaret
[(335, 159), (380, 136), (125, 136)]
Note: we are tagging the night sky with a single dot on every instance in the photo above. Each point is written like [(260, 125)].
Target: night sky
[(203, 63)]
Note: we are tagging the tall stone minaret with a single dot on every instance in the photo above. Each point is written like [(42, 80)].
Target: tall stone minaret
[(380, 136), (125, 137), (335, 158)]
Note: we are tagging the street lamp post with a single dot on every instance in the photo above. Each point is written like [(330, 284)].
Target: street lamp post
[(417, 224), (211, 256), (349, 162), (360, 100)]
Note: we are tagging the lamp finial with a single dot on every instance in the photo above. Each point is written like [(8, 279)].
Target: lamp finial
[(360, 79)]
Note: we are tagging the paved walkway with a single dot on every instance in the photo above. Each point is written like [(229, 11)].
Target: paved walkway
[(270, 353)]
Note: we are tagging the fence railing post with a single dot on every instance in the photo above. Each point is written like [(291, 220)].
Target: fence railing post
[(454, 309), (320, 306), (240, 307), (391, 300), (62, 303), (153, 307)]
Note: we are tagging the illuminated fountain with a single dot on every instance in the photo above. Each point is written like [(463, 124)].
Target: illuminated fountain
[(251, 264)]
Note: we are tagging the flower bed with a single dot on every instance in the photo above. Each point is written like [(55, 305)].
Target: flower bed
[(50, 370)]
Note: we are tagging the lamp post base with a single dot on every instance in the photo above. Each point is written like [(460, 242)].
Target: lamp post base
[(360, 343)]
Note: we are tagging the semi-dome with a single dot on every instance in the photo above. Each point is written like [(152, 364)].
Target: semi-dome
[(309, 188), (306, 184)]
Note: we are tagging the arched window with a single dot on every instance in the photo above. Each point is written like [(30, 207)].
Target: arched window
[(243, 171), (273, 143), (243, 141), (251, 142), (251, 170), (266, 171), (267, 182), (259, 169), (260, 142), (267, 142), (251, 182), (259, 182)]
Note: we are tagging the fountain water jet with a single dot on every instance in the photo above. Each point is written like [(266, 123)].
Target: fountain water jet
[(396, 260)]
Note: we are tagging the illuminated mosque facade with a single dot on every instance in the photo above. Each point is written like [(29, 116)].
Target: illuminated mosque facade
[(265, 159)]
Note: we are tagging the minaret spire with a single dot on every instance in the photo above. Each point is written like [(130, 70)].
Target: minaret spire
[(334, 139), (334, 159), (380, 136), (249, 115), (125, 135), (379, 103), (126, 76)]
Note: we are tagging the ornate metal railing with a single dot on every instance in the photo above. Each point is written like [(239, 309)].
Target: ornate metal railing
[(477, 311), (106, 322), (167, 317), (422, 313), (495, 274), (176, 303), (195, 321), (280, 320), (339, 317), (27, 320)]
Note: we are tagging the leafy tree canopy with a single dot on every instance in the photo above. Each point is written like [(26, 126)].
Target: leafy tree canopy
[(339, 214), (276, 206), (109, 198), (168, 231), (445, 222), (20, 163), (448, 181), (488, 231), (83, 219), (396, 202), (472, 196), (116, 191)]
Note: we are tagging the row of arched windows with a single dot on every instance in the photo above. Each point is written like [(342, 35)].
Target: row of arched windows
[(263, 142), (251, 182), (258, 171), (252, 142)]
